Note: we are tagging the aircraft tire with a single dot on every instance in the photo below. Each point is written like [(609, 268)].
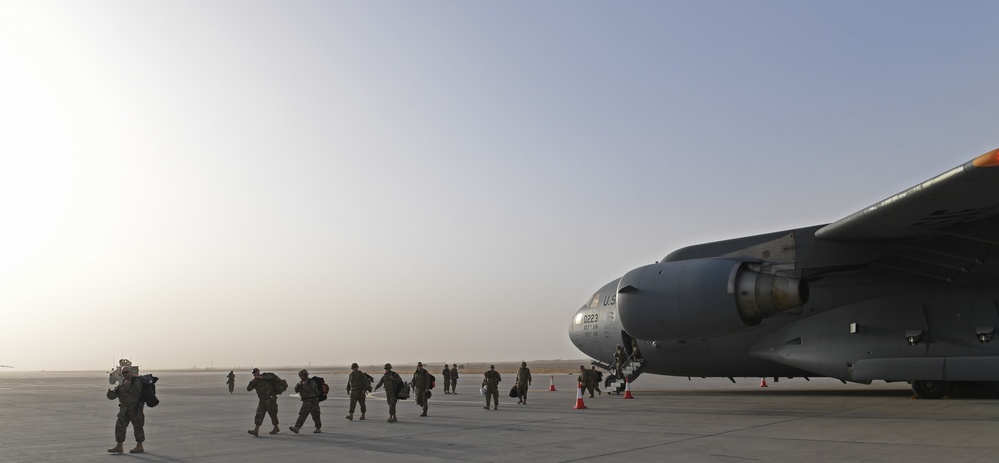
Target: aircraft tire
[(930, 389)]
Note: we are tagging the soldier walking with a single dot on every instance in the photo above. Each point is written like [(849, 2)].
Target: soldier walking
[(492, 387), (357, 384), (597, 378), (421, 387), (129, 394), (586, 379), (266, 404), (620, 358), (454, 378), (309, 391), (446, 373), (391, 380), (231, 381), (523, 381)]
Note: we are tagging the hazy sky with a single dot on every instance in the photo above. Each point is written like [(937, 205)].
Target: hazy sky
[(283, 183)]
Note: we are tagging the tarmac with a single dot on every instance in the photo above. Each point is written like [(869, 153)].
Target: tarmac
[(65, 417)]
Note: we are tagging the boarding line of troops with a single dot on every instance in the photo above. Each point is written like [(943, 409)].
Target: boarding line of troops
[(358, 384)]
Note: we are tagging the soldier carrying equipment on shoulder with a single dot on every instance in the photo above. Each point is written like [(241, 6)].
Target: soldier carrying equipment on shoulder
[(357, 385), (267, 402), (492, 387), (597, 377), (308, 390), (586, 379), (231, 381), (446, 373), (391, 380), (523, 381), (421, 387), (130, 405)]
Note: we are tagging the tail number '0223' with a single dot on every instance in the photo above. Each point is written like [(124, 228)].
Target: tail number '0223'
[(591, 318), (610, 299)]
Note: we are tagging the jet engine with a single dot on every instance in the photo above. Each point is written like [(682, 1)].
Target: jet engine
[(701, 298)]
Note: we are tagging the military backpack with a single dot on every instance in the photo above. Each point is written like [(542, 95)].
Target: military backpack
[(401, 390), (324, 389), (148, 394), (277, 383)]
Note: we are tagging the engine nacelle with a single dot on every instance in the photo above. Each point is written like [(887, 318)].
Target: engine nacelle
[(701, 298)]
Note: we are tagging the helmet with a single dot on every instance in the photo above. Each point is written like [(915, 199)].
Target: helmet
[(388, 366), (303, 372), (523, 364), (353, 365)]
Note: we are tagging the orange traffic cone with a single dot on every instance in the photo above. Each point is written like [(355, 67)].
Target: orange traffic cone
[(552, 387), (579, 397), (763, 382), (627, 389)]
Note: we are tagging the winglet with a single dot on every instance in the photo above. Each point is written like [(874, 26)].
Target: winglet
[(990, 159)]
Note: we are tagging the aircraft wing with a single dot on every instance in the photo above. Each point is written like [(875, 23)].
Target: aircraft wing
[(965, 194)]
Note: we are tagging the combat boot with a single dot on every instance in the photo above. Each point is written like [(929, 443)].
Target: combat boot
[(117, 449), (362, 416), (293, 429), (137, 449), (275, 430), (520, 401), (255, 431), (351, 417), (317, 431)]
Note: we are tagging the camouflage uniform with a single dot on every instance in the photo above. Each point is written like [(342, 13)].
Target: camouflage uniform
[(446, 373), (390, 379), (231, 381), (620, 358), (129, 411), (635, 353), (586, 379), (523, 381), (357, 385), (454, 378), (597, 376), (421, 387), (492, 387), (308, 390), (267, 401)]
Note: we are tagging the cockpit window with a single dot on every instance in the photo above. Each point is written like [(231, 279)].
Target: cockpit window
[(579, 319), (595, 301)]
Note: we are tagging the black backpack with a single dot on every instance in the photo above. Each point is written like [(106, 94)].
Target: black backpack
[(148, 394), (324, 389), (432, 381), (401, 390)]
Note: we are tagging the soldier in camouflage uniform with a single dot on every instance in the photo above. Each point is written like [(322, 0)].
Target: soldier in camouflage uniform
[(357, 384), (231, 381), (597, 377), (523, 381), (267, 403), (586, 378), (421, 387), (446, 373), (390, 379), (454, 378), (492, 387), (620, 358), (309, 391), (130, 405)]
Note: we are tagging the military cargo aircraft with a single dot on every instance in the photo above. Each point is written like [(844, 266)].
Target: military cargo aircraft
[(906, 289)]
